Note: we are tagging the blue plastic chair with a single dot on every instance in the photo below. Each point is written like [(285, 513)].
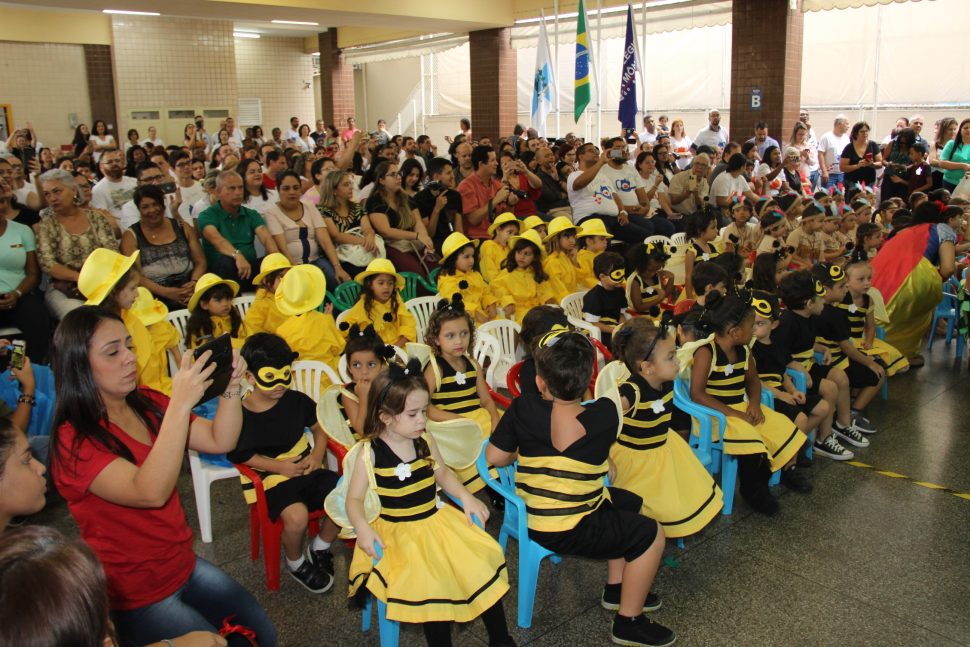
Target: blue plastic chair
[(515, 525), (881, 334), (711, 454), (947, 309), (801, 383), (390, 630)]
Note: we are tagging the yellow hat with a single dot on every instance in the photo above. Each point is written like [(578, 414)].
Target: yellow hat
[(532, 222), (532, 236), (270, 264), (503, 219), (558, 225), (207, 281), (454, 242), (380, 266), (101, 272), (301, 290), (593, 227), (147, 308)]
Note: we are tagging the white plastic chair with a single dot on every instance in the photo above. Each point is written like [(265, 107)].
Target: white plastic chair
[(573, 304), (243, 303), (341, 317), (11, 331), (308, 377), (658, 238), (679, 239), (203, 475), (488, 353), (180, 319), (345, 374), (587, 327), (421, 308)]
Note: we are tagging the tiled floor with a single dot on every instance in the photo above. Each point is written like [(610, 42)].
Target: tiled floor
[(866, 559)]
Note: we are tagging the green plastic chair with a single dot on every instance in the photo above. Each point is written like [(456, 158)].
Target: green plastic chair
[(432, 282), (346, 294), (411, 283)]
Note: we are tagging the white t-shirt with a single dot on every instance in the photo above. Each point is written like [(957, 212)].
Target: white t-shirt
[(661, 188), (197, 208), (832, 145), (190, 195), (260, 204), (682, 148), (112, 195), (647, 137), (403, 156), (98, 141), (682, 182), (624, 182), (153, 142), (596, 198), (771, 188), (726, 185), (715, 139), (23, 193)]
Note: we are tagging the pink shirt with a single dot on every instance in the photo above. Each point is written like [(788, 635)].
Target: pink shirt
[(474, 195)]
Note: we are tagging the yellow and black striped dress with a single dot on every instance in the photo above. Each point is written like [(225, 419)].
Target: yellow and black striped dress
[(436, 567), (459, 395), (777, 436), (700, 254), (891, 358), (654, 462)]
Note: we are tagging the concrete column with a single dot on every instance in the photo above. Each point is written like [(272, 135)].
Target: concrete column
[(336, 82), (493, 83)]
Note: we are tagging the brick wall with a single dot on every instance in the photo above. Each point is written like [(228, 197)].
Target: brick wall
[(336, 83), (493, 83), (101, 86), (766, 53)]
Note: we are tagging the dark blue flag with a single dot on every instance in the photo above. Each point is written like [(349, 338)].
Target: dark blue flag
[(628, 78)]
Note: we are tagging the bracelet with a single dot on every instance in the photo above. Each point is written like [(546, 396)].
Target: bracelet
[(19, 293), (27, 399)]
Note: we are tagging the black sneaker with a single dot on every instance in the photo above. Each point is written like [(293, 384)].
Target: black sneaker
[(640, 631), (762, 501), (832, 448), (322, 559), (313, 579), (795, 481), (611, 599), (862, 424), (803, 460), (850, 435)]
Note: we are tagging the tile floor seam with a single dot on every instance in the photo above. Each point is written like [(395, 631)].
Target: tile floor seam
[(781, 568)]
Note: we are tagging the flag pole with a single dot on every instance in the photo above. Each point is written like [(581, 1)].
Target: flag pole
[(643, 78), (599, 86), (555, 57)]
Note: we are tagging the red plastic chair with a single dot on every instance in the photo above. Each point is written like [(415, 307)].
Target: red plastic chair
[(260, 523), (512, 379)]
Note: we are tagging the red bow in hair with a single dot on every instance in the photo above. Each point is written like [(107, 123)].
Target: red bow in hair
[(841, 188), (229, 629), (939, 205), (832, 190)]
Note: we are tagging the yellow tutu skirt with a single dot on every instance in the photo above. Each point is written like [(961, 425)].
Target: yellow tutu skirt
[(434, 570), (676, 490), (910, 310), (777, 436), (469, 476), (891, 358)]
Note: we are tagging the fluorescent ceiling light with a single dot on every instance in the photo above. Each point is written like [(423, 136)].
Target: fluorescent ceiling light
[(245, 34), (131, 13), (315, 54), (295, 22)]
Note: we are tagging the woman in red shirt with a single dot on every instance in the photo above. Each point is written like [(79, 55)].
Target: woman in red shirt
[(116, 453)]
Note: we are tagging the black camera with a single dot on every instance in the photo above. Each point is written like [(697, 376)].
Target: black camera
[(435, 186), (522, 195)]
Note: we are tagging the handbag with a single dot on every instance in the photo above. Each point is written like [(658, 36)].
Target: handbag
[(962, 189), (355, 254)]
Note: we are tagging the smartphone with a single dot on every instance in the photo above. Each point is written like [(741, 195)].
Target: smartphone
[(18, 353), (167, 187), (868, 157), (221, 348), (26, 155)]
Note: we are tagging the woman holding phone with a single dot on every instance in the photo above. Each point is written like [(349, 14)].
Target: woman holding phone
[(861, 157), (116, 454)]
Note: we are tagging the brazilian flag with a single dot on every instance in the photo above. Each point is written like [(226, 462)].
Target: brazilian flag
[(581, 92)]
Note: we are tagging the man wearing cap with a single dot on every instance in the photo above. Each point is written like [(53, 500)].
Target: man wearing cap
[(482, 195), (229, 231)]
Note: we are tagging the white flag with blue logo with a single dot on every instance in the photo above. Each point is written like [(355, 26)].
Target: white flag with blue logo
[(543, 84)]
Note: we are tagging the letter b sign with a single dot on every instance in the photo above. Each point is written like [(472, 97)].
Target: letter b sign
[(756, 99)]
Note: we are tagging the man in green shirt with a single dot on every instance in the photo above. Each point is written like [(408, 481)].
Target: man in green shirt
[(229, 230)]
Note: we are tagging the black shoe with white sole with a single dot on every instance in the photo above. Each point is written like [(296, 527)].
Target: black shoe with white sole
[(313, 579), (641, 631), (850, 435), (832, 448), (611, 599), (863, 424)]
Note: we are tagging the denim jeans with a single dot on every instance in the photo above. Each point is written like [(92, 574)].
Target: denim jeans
[(813, 179), (204, 601), (329, 273), (835, 179), (633, 232)]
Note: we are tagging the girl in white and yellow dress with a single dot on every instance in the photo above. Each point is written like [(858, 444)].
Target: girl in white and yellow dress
[(523, 283), (560, 262), (649, 284), (722, 374), (212, 313), (651, 458), (861, 314), (455, 380), (701, 231), (458, 276), (433, 564), (380, 305), (263, 315), (110, 280), (593, 239)]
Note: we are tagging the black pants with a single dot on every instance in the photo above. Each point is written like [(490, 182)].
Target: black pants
[(31, 317), (225, 267)]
